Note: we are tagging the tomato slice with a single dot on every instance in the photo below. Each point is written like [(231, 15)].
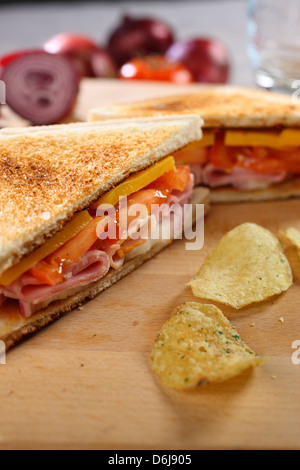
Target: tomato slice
[(50, 271), (192, 155), (258, 159), (269, 165), (75, 248), (263, 160), (46, 273), (177, 179), (219, 154), (291, 158)]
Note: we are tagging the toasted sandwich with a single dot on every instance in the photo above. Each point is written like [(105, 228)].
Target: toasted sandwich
[(53, 180), (250, 148)]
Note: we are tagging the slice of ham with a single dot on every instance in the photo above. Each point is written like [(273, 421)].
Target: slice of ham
[(34, 296), (238, 178)]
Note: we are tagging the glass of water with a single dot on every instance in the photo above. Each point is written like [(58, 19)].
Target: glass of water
[(274, 43)]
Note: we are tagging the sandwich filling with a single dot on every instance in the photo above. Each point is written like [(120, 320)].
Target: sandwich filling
[(243, 159), (96, 240)]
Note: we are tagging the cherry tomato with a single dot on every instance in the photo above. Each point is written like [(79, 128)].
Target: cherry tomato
[(155, 68)]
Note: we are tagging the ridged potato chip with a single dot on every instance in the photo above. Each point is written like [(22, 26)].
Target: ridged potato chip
[(197, 346), (293, 236), (248, 266)]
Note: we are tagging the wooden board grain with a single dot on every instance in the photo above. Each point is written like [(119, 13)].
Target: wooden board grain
[(86, 382)]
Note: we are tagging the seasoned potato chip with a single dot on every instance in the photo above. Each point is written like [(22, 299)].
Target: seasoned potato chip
[(197, 346), (247, 266), (293, 236)]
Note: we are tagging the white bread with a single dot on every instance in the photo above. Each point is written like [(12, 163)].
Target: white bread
[(219, 106)]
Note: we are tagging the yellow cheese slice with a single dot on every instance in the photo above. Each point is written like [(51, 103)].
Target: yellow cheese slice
[(136, 182), (78, 222), (268, 138)]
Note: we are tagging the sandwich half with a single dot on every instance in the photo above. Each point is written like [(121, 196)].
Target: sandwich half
[(250, 150), (53, 180)]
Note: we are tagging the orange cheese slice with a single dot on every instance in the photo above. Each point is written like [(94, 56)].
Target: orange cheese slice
[(78, 222), (268, 138), (136, 182)]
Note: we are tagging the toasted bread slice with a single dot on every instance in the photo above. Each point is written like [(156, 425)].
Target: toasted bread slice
[(220, 106), (49, 173)]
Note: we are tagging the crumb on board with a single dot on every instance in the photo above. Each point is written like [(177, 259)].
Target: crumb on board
[(252, 325), (281, 319), (273, 377), (80, 309)]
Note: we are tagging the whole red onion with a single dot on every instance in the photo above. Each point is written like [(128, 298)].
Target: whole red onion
[(207, 59), (102, 64), (40, 87), (76, 46), (135, 37)]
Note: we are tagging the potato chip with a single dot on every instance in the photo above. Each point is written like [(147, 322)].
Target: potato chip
[(248, 266), (293, 236), (197, 346)]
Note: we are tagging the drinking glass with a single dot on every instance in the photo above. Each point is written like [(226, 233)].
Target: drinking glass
[(274, 43)]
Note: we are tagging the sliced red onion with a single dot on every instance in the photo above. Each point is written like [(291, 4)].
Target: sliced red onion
[(41, 87)]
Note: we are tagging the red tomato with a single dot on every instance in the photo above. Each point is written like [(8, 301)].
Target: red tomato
[(75, 248), (192, 155), (268, 165), (176, 179), (46, 273), (156, 68), (219, 154)]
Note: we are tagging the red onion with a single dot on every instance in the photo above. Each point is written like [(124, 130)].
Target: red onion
[(102, 64), (40, 87), (134, 37), (77, 47), (207, 59)]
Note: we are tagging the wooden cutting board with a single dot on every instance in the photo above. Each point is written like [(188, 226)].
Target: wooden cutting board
[(85, 381)]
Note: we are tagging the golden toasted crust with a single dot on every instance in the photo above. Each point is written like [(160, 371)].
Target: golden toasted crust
[(13, 326), (49, 173), (223, 106)]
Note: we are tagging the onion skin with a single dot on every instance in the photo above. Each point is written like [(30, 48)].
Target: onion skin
[(40, 87), (135, 37), (102, 64), (75, 46), (207, 59)]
